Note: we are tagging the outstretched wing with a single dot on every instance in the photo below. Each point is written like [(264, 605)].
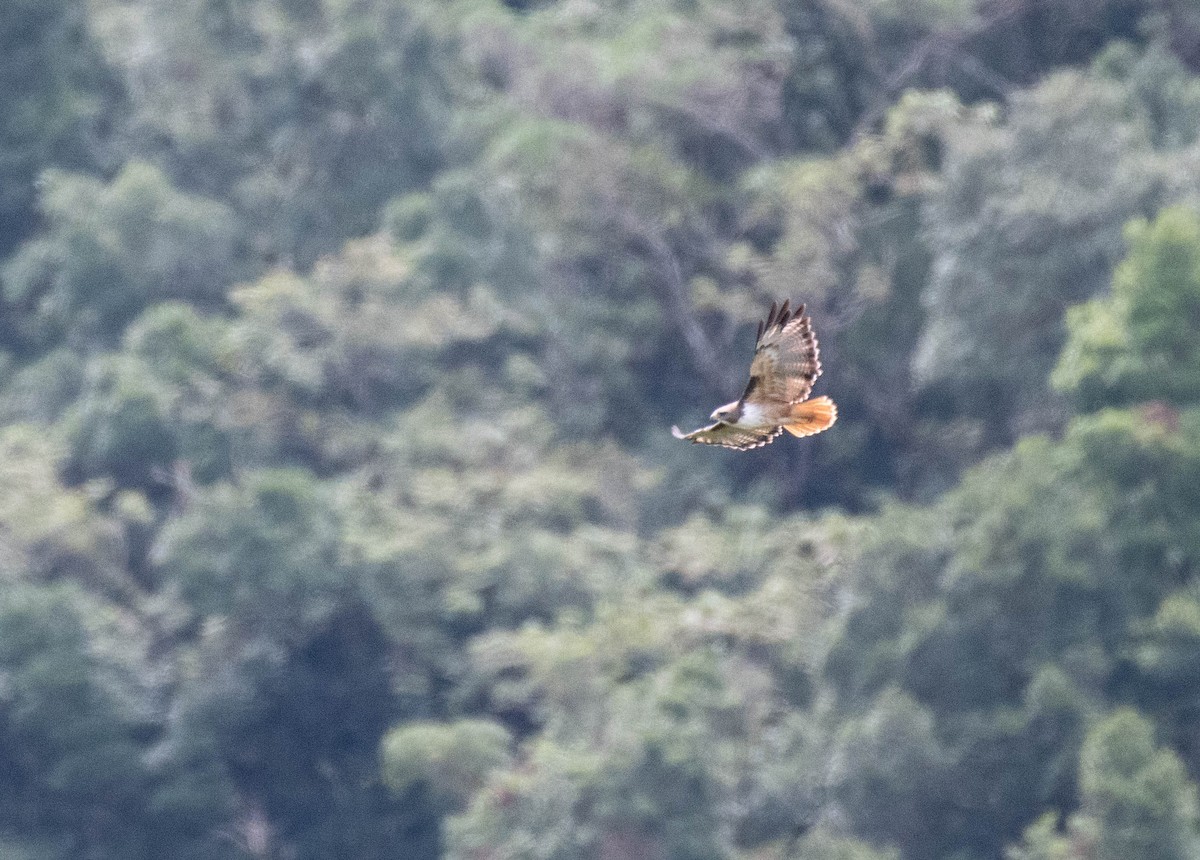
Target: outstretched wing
[(786, 358), (730, 435)]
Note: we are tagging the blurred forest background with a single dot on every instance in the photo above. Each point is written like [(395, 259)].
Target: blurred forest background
[(339, 344)]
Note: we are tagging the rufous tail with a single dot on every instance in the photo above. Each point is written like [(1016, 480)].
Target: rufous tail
[(812, 416)]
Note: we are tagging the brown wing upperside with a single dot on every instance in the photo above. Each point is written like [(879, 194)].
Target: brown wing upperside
[(787, 359), (730, 436)]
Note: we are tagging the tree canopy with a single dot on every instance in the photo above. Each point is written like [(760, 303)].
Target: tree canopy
[(339, 344)]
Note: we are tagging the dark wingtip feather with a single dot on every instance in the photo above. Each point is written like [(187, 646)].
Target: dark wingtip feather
[(769, 323), (779, 316)]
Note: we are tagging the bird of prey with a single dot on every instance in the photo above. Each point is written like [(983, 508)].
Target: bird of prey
[(785, 366)]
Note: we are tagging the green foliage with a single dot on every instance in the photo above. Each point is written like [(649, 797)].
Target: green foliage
[(1030, 218), (50, 530), (1004, 621), (834, 78), (110, 249), (72, 771), (306, 117), (1137, 800), (892, 775), (688, 752), (278, 735), (41, 390), (50, 85), (1164, 654), (1138, 343), (121, 427), (821, 845), (1148, 466), (263, 552), (651, 787), (531, 811), (1042, 841), (533, 528), (338, 343), (452, 760)]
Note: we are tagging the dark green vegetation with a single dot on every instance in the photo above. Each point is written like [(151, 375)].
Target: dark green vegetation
[(338, 349)]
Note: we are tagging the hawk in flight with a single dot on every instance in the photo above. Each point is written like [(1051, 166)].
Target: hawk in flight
[(785, 366)]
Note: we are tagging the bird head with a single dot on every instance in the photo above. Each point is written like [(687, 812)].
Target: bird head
[(729, 413)]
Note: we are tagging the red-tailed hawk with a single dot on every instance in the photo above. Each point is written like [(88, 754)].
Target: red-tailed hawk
[(785, 366)]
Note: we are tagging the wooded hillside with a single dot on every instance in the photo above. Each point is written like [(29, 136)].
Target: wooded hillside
[(340, 341)]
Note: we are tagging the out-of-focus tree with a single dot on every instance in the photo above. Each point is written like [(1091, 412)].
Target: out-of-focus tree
[(1136, 800), (507, 528), (50, 531), (262, 553), (449, 761), (121, 427), (305, 117), (72, 774), (835, 76), (277, 741), (890, 776), (1029, 219), (1164, 651), (1137, 344), (52, 84), (110, 249), (1042, 840), (289, 657), (820, 844), (339, 508), (651, 782), (670, 716), (1089, 541), (536, 807), (1034, 533)]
